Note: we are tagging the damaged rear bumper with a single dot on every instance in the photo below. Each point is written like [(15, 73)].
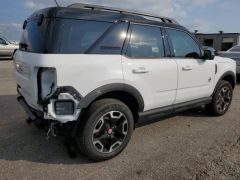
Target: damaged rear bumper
[(61, 106)]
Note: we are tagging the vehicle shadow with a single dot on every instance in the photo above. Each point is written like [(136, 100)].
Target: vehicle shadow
[(6, 59), (20, 141), (238, 79)]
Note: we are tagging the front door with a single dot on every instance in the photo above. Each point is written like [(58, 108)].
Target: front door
[(195, 75)]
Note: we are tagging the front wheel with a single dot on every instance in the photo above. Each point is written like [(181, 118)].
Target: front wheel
[(222, 99), (107, 131)]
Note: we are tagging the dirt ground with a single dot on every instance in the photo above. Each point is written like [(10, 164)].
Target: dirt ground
[(189, 145)]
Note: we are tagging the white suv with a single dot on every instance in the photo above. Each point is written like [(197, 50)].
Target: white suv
[(94, 73)]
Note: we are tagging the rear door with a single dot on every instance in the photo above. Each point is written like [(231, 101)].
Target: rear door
[(146, 67), (195, 75)]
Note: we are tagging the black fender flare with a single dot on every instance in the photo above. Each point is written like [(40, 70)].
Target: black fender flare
[(222, 77), (88, 99)]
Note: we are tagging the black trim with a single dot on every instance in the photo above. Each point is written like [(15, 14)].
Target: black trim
[(39, 85), (166, 42), (148, 116), (64, 89), (87, 100), (221, 78), (191, 104), (88, 14)]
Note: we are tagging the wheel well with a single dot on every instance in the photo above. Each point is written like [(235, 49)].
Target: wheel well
[(230, 79), (126, 98)]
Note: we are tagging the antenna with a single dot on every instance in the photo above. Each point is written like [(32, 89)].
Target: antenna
[(56, 3)]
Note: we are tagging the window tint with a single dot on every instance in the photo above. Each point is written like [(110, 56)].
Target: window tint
[(235, 49), (183, 44), (76, 36), (112, 43), (35, 38), (145, 42)]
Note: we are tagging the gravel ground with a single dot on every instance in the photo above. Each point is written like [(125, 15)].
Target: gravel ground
[(189, 145)]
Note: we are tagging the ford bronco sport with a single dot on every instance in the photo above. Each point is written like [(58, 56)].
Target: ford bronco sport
[(95, 73)]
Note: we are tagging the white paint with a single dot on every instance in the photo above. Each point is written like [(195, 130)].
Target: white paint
[(161, 82)]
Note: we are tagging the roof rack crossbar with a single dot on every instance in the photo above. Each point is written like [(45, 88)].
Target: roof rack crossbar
[(123, 11)]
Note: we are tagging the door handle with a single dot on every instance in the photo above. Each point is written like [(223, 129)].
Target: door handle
[(140, 70), (187, 68)]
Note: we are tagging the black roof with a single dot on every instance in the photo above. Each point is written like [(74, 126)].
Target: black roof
[(98, 15)]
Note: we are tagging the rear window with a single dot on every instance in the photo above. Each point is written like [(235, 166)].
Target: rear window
[(77, 36), (35, 38)]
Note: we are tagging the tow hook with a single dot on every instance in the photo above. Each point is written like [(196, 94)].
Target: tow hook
[(51, 130)]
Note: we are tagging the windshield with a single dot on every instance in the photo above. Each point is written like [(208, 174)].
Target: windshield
[(235, 49)]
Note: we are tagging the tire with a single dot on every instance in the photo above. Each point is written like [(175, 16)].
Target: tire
[(222, 99), (107, 130)]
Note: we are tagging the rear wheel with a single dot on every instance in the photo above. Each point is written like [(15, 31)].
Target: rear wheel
[(107, 131), (222, 99)]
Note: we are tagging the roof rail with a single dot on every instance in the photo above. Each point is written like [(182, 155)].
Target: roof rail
[(123, 11)]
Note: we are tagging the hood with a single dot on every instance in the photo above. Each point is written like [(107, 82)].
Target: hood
[(221, 59), (233, 55)]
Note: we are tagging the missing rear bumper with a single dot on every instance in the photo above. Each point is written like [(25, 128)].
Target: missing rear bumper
[(62, 106)]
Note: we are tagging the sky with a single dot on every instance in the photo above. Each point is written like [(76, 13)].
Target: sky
[(207, 16)]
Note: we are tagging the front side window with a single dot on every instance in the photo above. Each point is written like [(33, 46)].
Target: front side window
[(183, 45), (145, 42)]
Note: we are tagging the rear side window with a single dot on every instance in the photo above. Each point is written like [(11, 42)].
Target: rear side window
[(77, 36), (112, 42), (183, 44), (145, 42)]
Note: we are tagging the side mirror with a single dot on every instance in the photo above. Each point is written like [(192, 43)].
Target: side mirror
[(208, 55)]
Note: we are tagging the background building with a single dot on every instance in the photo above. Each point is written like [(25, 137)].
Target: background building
[(220, 41)]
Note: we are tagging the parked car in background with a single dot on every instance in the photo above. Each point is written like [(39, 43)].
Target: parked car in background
[(7, 48), (234, 53)]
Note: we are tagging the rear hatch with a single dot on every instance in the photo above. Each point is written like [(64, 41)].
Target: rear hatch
[(34, 42)]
